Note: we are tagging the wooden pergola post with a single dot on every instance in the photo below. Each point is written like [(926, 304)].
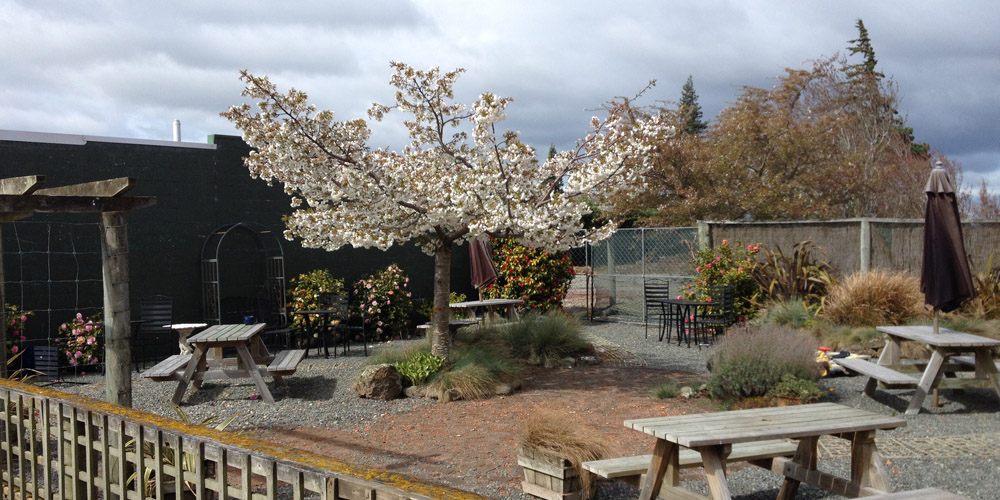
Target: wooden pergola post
[(22, 197), (118, 352)]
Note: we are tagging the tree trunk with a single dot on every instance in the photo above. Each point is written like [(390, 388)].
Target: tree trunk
[(440, 334)]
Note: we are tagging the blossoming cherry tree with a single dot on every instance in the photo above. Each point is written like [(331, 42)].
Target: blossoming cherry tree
[(456, 180)]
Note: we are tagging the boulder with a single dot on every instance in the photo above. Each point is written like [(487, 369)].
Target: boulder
[(378, 382)]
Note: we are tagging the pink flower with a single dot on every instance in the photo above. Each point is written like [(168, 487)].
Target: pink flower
[(24, 318), (678, 297), (718, 259), (72, 361), (78, 354), (63, 327), (379, 330), (725, 242), (697, 269), (91, 341), (722, 271), (79, 316), (380, 323), (739, 268), (14, 349), (749, 247), (756, 248), (708, 266), (89, 327), (708, 299)]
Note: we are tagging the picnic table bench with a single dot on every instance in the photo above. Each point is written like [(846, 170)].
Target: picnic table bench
[(168, 369), (631, 469)]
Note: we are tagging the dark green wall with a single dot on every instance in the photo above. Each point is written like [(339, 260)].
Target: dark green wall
[(197, 190)]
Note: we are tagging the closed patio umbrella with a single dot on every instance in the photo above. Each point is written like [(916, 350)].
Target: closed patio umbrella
[(945, 279), (484, 271)]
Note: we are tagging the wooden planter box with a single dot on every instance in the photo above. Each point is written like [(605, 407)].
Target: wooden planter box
[(548, 477)]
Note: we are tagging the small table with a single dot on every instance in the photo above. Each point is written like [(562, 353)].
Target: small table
[(184, 330), (250, 354), (945, 344), (491, 306), (713, 434), (684, 311), (318, 323)]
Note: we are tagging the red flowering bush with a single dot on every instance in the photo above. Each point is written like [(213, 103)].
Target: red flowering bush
[(385, 301), (80, 340), (539, 278), (15, 329), (727, 265)]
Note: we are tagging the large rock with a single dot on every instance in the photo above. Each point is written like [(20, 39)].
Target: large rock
[(378, 382)]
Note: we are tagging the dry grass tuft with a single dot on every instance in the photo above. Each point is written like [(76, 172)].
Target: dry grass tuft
[(550, 433), (875, 298)]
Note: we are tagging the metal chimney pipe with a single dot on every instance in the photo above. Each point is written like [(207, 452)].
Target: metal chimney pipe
[(177, 131)]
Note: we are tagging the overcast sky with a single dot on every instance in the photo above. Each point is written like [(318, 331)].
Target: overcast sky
[(129, 68)]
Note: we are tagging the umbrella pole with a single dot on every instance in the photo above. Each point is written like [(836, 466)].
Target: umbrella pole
[(936, 328)]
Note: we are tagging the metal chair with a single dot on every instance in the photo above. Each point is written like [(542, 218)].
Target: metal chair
[(337, 322), (716, 317), (151, 340), (654, 290)]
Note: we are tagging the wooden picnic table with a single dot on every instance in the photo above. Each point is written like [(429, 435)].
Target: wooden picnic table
[(250, 355), (491, 306), (713, 434), (946, 345)]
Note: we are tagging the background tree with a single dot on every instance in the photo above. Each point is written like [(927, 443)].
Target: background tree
[(690, 109), (456, 180)]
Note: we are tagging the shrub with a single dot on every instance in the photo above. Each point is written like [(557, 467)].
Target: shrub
[(791, 387), (539, 278), (986, 303), (426, 309), (801, 276), (15, 328), (306, 292), (550, 433), (80, 340), (726, 265), (385, 301), (422, 365), (751, 363), (543, 339), (875, 298), (791, 313)]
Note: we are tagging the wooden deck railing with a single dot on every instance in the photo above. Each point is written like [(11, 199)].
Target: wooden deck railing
[(60, 446)]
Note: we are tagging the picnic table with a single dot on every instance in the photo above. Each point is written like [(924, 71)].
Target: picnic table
[(490, 305), (252, 360), (714, 434), (949, 357)]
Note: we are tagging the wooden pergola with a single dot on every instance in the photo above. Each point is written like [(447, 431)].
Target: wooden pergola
[(22, 197)]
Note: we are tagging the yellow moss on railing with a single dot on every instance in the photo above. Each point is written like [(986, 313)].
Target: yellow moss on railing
[(301, 469)]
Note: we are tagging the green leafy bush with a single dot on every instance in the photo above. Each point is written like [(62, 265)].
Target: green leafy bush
[(426, 309), (543, 339), (800, 276), (541, 279), (791, 387), (875, 298), (419, 367), (306, 291), (385, 300), (726, 265), (751, 363)]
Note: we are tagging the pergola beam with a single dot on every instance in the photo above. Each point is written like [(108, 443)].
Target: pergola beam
[(71, 204), (21, 185), (107, 187)]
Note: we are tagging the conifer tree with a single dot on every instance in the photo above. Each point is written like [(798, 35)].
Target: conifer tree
[(862, 45), (690, 110)]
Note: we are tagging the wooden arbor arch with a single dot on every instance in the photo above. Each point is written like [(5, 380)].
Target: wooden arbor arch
[(22, 197), (273, 259)]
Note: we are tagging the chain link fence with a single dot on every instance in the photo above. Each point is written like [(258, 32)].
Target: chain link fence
[(610, 273)]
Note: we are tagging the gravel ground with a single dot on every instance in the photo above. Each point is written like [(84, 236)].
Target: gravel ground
[(954, 447)]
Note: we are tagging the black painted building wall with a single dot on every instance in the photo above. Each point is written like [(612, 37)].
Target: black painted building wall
[(198, 189)]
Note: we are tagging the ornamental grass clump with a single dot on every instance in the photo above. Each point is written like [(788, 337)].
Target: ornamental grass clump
[(475, 372), (544, 339), (550, 433), (875, 298), (751, 363)]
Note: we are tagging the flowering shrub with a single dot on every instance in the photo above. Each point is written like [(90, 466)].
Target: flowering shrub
[(539, 278), (80, 340), (385, 301), (306, 292), (727, 265), (15, 328)]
